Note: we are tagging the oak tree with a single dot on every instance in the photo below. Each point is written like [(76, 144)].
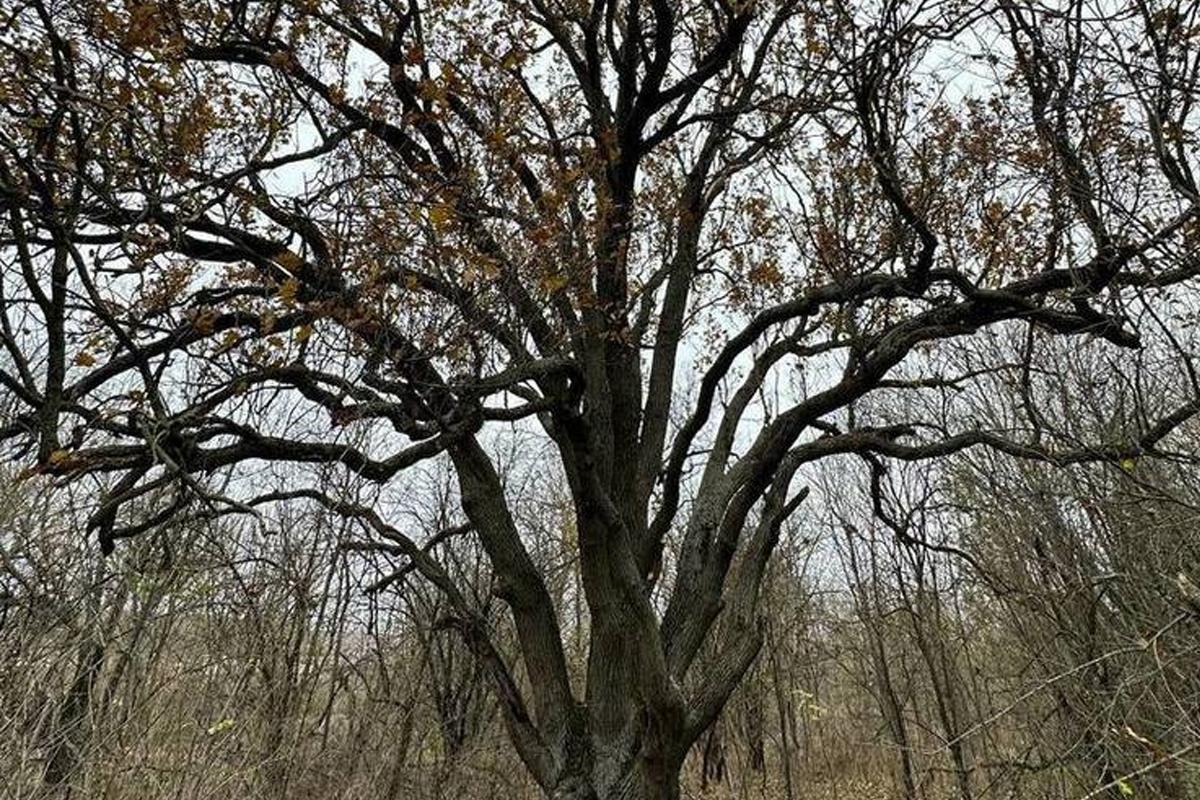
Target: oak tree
[(695, 245)]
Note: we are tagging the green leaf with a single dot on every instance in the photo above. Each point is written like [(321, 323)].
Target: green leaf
[(220, 727)]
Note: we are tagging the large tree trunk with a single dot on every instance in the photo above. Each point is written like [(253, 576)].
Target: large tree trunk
[(647, 781), (653, 775)]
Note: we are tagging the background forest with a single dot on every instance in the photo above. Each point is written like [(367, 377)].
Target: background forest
[(1001, 629)]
